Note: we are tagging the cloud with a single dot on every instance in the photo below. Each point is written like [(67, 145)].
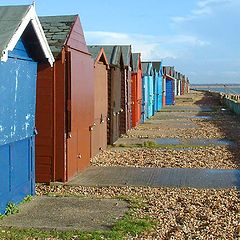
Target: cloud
[(152, 47), (190, 40), (204, 8), (207, 3)]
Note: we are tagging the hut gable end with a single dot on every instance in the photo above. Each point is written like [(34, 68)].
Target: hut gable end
[(76, 37), (57, 30), (64, 31), (22, 22), (98, 54)]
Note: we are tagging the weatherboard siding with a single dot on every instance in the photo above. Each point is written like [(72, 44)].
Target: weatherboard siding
[(18, 98), (17, 126)]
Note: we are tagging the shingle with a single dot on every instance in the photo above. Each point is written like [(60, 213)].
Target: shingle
[(57, 30), (135, 59), (113, 52), (126, 51), (94, 50), (156, 66), (10, 19), (145, 67)]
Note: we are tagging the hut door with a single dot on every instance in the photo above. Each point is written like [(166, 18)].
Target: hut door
[(169, 92), (72, 132)]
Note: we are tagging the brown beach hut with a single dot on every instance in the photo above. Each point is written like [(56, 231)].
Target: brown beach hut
[(115, 81), (126, 104), (65, 100), (99, 130)]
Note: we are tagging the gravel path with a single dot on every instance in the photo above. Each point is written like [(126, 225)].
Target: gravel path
[(203, 157), (222, 124), (214, 128), (178, 213)]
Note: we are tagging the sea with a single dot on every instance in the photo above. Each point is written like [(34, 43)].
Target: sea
[(228, 89)]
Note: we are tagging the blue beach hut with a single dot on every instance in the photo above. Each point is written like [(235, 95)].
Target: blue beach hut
[(22, 46), (158, 93), (144, 110), (168, 75), (148, 88)]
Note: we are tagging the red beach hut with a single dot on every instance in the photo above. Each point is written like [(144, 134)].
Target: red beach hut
[(65, 100)]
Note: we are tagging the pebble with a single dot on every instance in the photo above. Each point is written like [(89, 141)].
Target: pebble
[(178, 213)]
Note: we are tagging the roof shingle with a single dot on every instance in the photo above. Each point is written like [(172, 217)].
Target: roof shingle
[(10, 19), (113, 53), (57, 30), (135, 59)]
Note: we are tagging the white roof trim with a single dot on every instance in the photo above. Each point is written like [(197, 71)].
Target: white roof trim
[(170, 76), (32, 17)]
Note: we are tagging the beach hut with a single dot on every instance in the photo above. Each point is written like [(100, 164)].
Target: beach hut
[(22, 46), (147, 91), (136, 89), (115, 80), (144, 109), (174, 75), (178, 83), (155, 87), (99, 132), (163, 89), (188, 85), (183, 84), (126, 99), (157, 66), (168, 74), (65, 101)]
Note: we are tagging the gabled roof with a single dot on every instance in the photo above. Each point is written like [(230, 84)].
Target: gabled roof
[(147, 68), (113, 53), (167, 70), (98, 54), (172, 71), (127, 54), (136, 61), (14, 21), (157, 65), (57, 30), (144, 67)]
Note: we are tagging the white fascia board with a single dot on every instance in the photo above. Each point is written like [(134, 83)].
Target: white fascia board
[(170, 77), (42, 38), (31, 16)]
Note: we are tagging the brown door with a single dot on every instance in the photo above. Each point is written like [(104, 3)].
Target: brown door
[(82, 106), (72, 131)]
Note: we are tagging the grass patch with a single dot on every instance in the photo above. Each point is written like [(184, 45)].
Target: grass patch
[(127, 226), (27, 199), (11, 208), (122, 145), (154, 145)]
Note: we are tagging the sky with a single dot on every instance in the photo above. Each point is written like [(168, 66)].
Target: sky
[(200, 38)]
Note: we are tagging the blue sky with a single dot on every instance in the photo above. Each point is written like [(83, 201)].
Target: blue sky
[(199, 37)]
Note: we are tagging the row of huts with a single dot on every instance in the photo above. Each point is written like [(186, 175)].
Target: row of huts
[(61, 101)]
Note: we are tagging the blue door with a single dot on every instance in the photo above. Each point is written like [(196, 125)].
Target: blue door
[(155, 107), (150, 96), (169, 92), (159, 93), (144, 99), (17, 173), (17, 124)]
